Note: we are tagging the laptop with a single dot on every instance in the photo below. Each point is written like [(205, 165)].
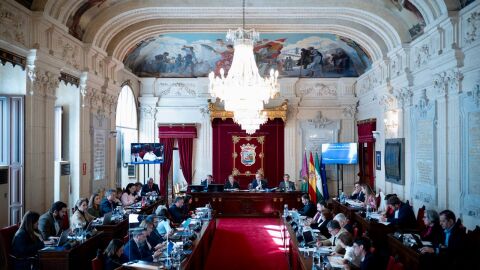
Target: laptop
[(63, 238), (107, 219), (309, 238), (186, 223)]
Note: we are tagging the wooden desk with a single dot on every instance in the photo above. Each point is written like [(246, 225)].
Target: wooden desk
[(196, 260), (408, 256), (79, 257), (245, 203), (296, 260)]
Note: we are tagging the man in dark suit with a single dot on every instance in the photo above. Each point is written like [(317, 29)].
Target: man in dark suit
[(108, 203), (137, 247), (49, 223), (259, 183), (308, 207), (403, 216), (357, 193), (231, 183), (149, 188), (207, 181), (176, 210), (369, 261), (286, 185), (450, 252)]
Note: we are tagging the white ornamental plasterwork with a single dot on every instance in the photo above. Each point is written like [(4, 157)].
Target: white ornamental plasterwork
[(387, 101), (319, 121), (475, 93), (423, 55), (447, 81), (89, 94), (45, 83), (318, 90), (350, 110), (148, 112), (13, 26), (70, 53), (473, 22), (204, 111), (424, 104), (404, 96), (177, 89)]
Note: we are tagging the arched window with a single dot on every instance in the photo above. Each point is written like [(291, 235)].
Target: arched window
[(126, 109)]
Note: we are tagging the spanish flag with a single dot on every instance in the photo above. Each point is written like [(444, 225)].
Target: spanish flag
[(312, 180)]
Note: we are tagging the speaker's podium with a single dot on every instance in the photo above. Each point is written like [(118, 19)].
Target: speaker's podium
[(209, 188)]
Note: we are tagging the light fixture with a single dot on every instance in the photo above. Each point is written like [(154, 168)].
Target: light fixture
[(243, 91)]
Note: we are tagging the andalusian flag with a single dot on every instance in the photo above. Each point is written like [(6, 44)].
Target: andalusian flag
[(318, 186), (312, 180)]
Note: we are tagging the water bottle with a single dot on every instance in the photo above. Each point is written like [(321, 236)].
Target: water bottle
[(342, 198), (369, 210), (285, 210)]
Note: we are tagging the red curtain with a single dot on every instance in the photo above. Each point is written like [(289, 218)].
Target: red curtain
[(273, 151), (177, 131), (365, 131), (185, 149), (367, 148), (167, 162)]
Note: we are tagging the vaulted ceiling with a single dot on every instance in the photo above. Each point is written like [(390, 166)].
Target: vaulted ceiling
[(116, 26)]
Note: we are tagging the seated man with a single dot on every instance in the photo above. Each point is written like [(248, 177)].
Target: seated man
[(231, 183), (137, 248), (357, 193), (108, 203), (343, 221), (176, 210), (362, 248), (49, 223), (150, 188), (403, 216), (308, 207), (286, 185), (259, 183), (335, 230), (452, 251), (207, 181)]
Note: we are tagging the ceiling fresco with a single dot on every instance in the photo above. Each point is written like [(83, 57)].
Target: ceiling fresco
[(293, 55)]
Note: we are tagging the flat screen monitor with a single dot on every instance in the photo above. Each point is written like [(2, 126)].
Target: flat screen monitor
[(146, 153), (215, 187), (196, 188), (339, 153)]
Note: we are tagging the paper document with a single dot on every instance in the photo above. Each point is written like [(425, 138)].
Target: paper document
[(336, 261)]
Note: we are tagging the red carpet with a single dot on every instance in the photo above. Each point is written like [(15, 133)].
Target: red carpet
[(247, 243)]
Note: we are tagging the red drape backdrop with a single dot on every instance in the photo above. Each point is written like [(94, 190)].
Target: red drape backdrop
[(273, 151), (185, 149), (184, 133), (167, 162)]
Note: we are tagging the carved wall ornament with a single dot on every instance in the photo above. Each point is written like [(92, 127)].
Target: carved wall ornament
[(422, 56), (204, 111), (12, 24), (473, 22), (350, 110), (148, 112), (177, 89), (318, 90), (448, 81), (404, 96), (387, 101), (319, 121), (475, 94), (69, 53), (424, 104), (45, 83)]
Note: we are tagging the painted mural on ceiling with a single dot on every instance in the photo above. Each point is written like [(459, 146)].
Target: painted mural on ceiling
[(293, 55)]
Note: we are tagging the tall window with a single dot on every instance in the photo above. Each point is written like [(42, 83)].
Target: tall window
[(127, 132)]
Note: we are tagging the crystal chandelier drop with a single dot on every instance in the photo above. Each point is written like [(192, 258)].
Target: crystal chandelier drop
[(243, 91)]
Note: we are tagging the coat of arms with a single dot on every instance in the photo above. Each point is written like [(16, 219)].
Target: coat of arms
[(247, 154)]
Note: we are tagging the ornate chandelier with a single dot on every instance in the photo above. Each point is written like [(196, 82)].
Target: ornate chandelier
[(243, 91)]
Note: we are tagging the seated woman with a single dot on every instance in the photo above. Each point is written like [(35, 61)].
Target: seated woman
[(163, 226), (27, 242), (113, 256), (433, 231), (128, 197), (327, 216), (370, 199), (346, 241), (187, 205), (81, 217), (94, 205), (231, 183)]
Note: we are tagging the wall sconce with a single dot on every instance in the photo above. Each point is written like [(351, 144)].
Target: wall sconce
[(376, 134)]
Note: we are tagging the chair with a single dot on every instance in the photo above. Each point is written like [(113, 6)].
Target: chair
[(420, 215), (393, 264), (97, 264), (355, 232), (6, 238)]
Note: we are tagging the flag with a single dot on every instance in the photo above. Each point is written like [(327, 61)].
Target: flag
[(318, 186), (304, 172), (312, 180), (323, 176)]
